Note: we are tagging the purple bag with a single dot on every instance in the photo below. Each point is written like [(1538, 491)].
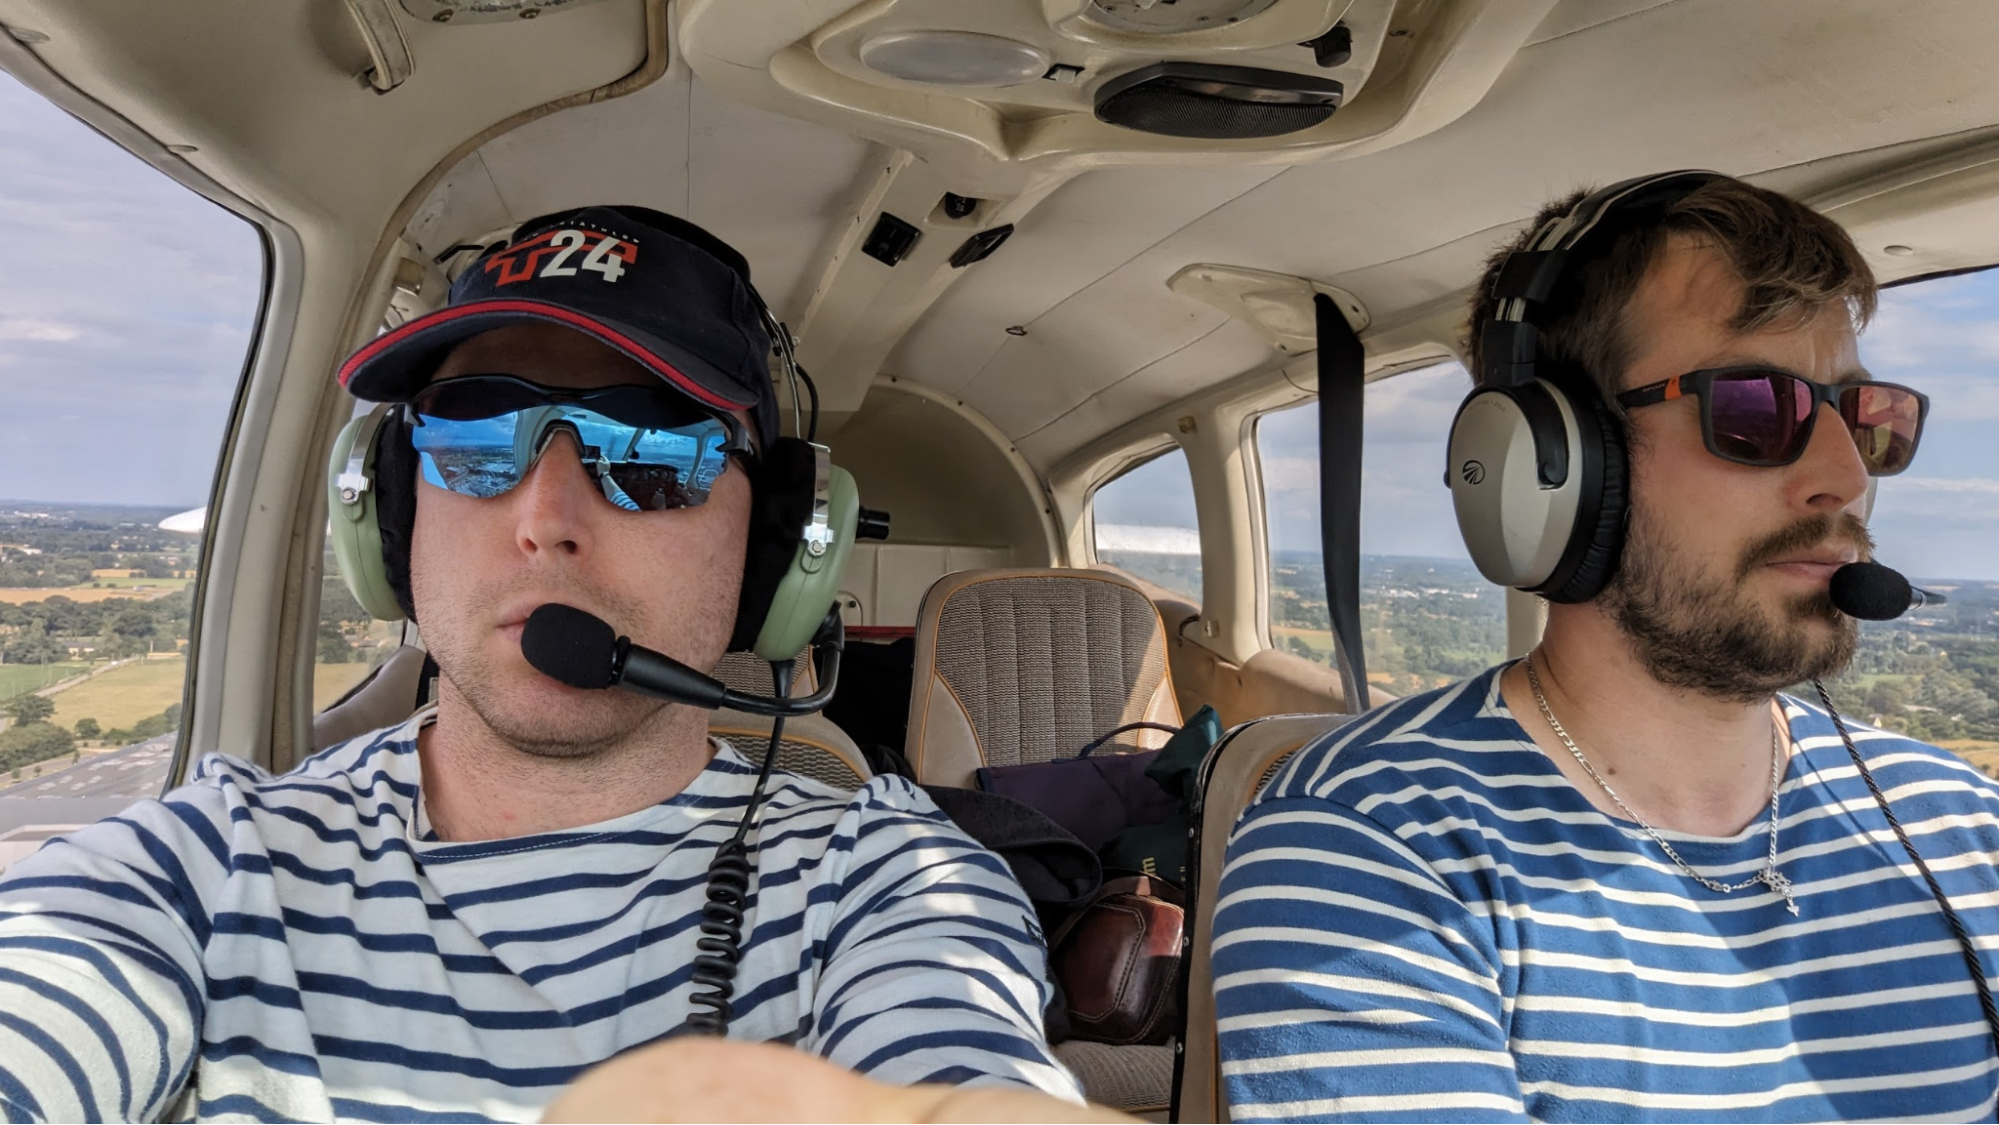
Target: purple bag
[(1093, 798)]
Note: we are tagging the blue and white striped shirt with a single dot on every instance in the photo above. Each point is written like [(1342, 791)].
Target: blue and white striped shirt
[(1421, 918), (305, 948)]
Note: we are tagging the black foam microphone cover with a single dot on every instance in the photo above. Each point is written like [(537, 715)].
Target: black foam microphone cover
[(1871, 592), (567, 644)]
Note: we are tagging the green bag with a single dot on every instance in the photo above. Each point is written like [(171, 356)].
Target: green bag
[(1160, 850)]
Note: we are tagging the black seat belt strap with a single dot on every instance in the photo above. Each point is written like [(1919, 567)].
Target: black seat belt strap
[(1342, 383)]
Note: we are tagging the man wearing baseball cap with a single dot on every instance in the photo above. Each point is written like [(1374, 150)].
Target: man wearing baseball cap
[(456, 917)]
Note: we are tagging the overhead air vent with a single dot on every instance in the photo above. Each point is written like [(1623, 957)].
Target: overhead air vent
[(487, 11), (1216, 102), (1171, 17)]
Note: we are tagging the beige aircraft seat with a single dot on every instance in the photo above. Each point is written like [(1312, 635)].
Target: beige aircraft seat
[(812, 746), (1235, 771), (1018, 666), (385, 697)]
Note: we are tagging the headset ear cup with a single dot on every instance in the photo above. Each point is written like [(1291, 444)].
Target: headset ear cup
[(353, 501), (395, 506), (787, 590), (807, 591), (781, 487), (1600, 534)]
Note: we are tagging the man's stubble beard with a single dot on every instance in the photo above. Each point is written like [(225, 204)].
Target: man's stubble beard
[(555, 733), (1705, 633)]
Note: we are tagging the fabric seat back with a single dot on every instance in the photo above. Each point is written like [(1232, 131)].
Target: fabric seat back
[(812, 745), (1236, 770), (1018, 666)]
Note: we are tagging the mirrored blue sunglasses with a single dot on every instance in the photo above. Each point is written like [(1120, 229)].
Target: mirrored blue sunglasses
[(648, 449)]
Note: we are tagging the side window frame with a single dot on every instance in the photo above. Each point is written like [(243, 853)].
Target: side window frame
[(277, 256), (1259, 511), (1255, 475), (1259, 497)]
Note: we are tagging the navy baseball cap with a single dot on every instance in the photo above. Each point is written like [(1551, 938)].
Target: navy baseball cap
[(669, 295)]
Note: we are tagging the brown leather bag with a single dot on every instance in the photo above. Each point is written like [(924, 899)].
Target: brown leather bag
[(1118, 961)]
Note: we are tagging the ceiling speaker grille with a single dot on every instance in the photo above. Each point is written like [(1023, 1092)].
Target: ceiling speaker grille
[(1216, 102)]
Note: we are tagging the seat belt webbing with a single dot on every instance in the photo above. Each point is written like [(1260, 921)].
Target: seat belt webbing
[(1342, 383)]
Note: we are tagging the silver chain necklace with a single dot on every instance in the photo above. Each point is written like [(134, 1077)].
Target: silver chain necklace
[(1769, 876)]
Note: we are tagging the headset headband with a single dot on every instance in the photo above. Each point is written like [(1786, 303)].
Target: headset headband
[(1508, 343)]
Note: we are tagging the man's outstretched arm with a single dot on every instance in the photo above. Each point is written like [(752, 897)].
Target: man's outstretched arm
[(695, 1079), (936, 972), (101, 984), (1350, 983)]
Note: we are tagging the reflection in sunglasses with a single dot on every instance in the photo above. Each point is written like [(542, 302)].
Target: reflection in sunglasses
[(1766, 416), (638, 468)]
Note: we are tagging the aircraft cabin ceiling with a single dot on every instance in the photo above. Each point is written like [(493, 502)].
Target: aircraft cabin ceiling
[(784, 128)]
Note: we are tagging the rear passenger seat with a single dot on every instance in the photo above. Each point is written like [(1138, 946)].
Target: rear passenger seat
[(1030, 665)]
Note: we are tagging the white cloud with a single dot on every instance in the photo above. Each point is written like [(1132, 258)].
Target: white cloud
[(1941, 337), (1291, 474), (1151, 540), (44, 331), (1929, 504), (1981, 486), (136, 315)]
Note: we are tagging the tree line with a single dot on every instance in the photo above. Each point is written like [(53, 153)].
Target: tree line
[(46, 631)]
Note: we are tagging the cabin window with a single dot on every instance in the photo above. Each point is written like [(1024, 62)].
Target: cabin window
[(1934, 672), (126, 308), (1142, 522), (1428, 617)]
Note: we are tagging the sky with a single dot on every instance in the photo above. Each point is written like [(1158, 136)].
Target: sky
[(127, 302), (126, 306)]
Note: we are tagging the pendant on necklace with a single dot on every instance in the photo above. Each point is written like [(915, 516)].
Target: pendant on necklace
[(1776, 881)]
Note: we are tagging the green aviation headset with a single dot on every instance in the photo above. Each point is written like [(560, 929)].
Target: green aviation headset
[(793, 605), (805, 513)]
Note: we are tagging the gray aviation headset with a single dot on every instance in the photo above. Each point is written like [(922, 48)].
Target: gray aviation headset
[(1537, 459), (1537, 466)]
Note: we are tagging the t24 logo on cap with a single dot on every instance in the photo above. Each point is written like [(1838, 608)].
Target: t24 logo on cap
[(547, 255)]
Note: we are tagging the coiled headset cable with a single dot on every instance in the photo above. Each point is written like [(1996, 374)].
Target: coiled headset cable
[(720, 946), (1956, 924), (729, 873)]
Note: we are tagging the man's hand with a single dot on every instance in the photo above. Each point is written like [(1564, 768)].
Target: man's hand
[(692, 1079)]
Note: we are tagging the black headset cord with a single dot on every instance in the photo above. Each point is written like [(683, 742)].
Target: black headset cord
[(729, 873), (1957, 927)]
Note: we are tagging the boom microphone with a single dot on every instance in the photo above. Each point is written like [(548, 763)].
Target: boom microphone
[(582, 650), (1873, 592)]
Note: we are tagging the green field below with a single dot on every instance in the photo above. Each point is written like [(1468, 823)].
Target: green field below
[(143, 688), (124, 695), (19, 679), (133, 583)]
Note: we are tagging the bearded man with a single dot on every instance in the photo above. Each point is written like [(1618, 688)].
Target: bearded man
[(1625, 878)]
